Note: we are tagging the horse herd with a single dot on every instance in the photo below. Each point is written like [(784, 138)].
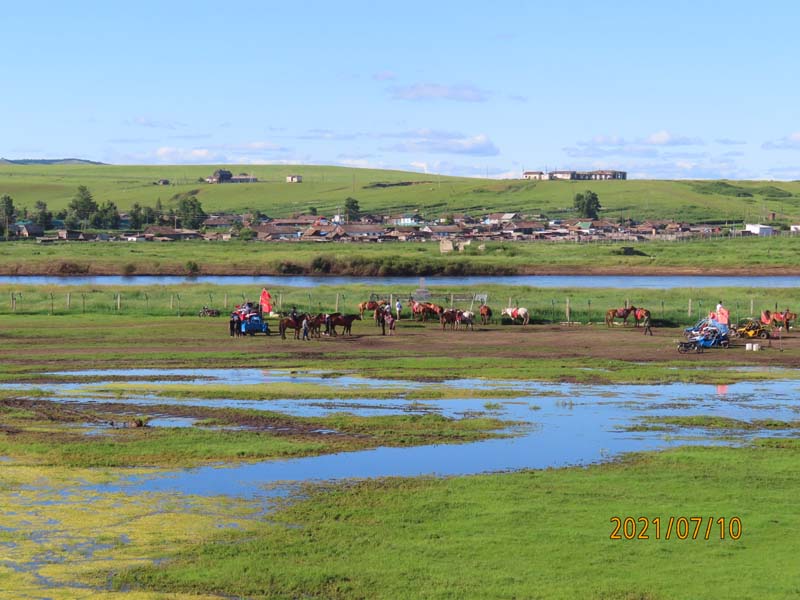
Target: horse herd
[(639, 315)]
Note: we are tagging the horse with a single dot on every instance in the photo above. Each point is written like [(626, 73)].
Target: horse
[(640, 314), (783, 319), (346, 321), (291, 323), (486, 314), (422, 310), (369, 305), (465, 318), (517, 314), (449, 317), (619, 313)]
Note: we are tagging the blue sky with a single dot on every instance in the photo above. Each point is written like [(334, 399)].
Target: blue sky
[(682, 90)]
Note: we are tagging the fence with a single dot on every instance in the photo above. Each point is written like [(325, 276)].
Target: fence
[(548, 306)]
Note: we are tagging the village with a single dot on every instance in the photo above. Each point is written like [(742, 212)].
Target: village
[(452, 231)]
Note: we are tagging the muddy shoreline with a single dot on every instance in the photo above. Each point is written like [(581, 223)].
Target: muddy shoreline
[(66, 270)]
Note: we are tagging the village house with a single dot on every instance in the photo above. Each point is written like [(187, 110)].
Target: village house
[(222, 221), (603, 174), (499, 218), (164, 233), (405, 220), (30, 230)]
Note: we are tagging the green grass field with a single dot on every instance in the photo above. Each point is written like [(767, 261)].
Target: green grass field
[(541, 534), (751, 256), (326, 189)]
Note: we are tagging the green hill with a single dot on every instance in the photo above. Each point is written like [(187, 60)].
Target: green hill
[(326, 189)]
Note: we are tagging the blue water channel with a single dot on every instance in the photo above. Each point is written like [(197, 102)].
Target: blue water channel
[(542, 281), (559, 424)]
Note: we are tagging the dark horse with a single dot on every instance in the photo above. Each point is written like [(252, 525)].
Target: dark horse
[(346, 321)]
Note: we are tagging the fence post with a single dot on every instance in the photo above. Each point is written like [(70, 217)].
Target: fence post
[(280, 301), (336, 309), (568, 312), (225, 303), (52, 307), (147, 303), (690, 307), (179, 304), (589, 311), (69, 300), (751, 306), (13, 302), (172, 301), (662, 309), (83, 303), (553, 309), (119, 301)]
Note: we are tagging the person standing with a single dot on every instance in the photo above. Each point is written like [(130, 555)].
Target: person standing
[(305, 329), (398, 307), (647, 324)]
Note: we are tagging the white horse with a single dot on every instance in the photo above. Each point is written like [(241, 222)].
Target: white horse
[(466, 318), (517, 314)]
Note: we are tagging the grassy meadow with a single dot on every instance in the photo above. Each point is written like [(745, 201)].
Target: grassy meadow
[(712, 256), (124, 304), (538, 534), (326, 189)]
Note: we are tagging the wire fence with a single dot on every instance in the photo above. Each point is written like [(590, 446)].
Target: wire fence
[(545, 306)]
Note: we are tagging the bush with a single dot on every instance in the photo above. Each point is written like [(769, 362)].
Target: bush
[(192, 268)]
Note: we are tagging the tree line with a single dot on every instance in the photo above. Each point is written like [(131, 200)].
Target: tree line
[(83, 212)]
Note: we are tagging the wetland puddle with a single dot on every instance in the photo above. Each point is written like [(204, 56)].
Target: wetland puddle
[(563, 424)]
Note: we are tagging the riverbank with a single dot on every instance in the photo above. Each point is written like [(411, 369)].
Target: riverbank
[(726, 256)]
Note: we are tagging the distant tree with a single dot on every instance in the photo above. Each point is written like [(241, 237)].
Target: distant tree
[(190, 212), (587, 204), (149, 215), (312, 210), (136, 216), (71, 220), (246, 234), (106, 216), (82, 204), (7, 213), (42, 216), (351, 209)]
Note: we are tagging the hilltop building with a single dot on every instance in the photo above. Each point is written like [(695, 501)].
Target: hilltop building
[(574, 175)]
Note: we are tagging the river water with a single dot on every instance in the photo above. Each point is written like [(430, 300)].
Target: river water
[(543, 281)]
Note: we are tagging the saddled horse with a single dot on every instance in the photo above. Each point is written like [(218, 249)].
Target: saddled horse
[(619, 313), (783, 319), (423, 310), (291, 323), (517, 314), (346, 322), (639, 315), (486, 314), (369, 305)]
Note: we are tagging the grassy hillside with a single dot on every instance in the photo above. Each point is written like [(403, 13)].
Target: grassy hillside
[(326, 188)]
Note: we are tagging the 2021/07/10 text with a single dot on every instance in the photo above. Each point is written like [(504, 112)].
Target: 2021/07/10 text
[(639, 528)]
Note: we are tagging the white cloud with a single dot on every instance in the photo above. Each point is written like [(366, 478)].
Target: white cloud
[(788, 142), (384, 75), (142, 121), (429, 142), (463, 92)]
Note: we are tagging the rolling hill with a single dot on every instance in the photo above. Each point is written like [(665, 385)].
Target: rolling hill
[(379, 191)]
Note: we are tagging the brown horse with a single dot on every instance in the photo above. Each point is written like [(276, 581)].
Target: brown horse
[(290, 323), (346, 321), (640, 314), (783, 319), (449, 317), (619, 313), (423, 310), (486, 314), (369, 305)]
